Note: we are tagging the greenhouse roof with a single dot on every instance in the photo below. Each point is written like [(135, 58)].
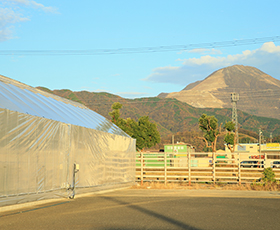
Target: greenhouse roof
[(22, 98)]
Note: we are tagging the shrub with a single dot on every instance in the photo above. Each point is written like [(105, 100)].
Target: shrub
[(268, 176)]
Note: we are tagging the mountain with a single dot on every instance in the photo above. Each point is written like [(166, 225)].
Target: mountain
[(258, 92), (171, 115)]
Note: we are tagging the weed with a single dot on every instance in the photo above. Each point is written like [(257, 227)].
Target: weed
[(256, 186), (268, 176)]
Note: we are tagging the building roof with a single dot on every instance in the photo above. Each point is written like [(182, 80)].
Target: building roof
[(22, 98)]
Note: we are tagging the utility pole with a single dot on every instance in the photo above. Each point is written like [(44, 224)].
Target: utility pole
[(271, 137), (260, 142), (234, 99), (172, 144)]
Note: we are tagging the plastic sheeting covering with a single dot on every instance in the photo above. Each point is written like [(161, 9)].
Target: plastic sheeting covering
[(37, 154), (37, 158), (22, 98)]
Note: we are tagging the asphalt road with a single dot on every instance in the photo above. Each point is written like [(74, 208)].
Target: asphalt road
[(152, 209)]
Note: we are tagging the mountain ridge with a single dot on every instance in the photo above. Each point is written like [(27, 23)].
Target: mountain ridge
[(171, 115), (174, 116), (258, 91)]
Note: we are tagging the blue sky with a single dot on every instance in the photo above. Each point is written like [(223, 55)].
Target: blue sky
[(64, 44)]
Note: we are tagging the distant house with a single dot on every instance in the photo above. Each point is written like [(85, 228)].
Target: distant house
[(272, 150), (178, 148)]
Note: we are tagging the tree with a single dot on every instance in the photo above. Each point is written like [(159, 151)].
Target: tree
[(115, 114), (209, 126), (144, 131), (230, 137)]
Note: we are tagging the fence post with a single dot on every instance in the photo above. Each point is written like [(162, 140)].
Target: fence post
[(239, 170), (189, 167), (142, 162), (165, 169), (213, 166)]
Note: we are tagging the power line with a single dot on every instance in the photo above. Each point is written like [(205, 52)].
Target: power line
[(151, 49)]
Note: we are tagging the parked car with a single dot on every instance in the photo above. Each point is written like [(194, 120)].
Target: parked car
[(275, 164), (251, 164)]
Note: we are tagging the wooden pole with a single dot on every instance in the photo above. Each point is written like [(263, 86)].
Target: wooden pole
[(165, 169), (214, 167), (189, 167), (239, 170), (142, 168)]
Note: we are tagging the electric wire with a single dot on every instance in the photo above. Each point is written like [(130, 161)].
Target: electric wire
[(152, 49), (158, 49)]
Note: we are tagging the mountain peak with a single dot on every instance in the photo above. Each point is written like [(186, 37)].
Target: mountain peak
[(235, 77), (253, 86)]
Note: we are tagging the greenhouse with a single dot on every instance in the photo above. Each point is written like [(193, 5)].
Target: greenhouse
[(52, 147)]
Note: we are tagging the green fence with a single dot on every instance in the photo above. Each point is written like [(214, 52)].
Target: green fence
[(153, 160)]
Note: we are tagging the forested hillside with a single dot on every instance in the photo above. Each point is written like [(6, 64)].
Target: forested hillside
[(173, 117)]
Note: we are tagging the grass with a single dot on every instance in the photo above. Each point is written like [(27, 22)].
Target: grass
[(255, 186)]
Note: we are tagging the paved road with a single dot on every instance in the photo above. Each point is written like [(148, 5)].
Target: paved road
[(152, 209)]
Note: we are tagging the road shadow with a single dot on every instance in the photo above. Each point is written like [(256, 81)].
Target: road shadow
[(177, 224)]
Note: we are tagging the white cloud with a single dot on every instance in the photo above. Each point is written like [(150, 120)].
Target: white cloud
[(266, 58), (101, 90), (36, 5), (8, 18), (270, 47), (205, 51), (131, 94), (11, 15), (116, 75), (202, 51)]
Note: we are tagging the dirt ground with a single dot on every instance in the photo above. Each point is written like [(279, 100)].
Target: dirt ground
[(219, 186)]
